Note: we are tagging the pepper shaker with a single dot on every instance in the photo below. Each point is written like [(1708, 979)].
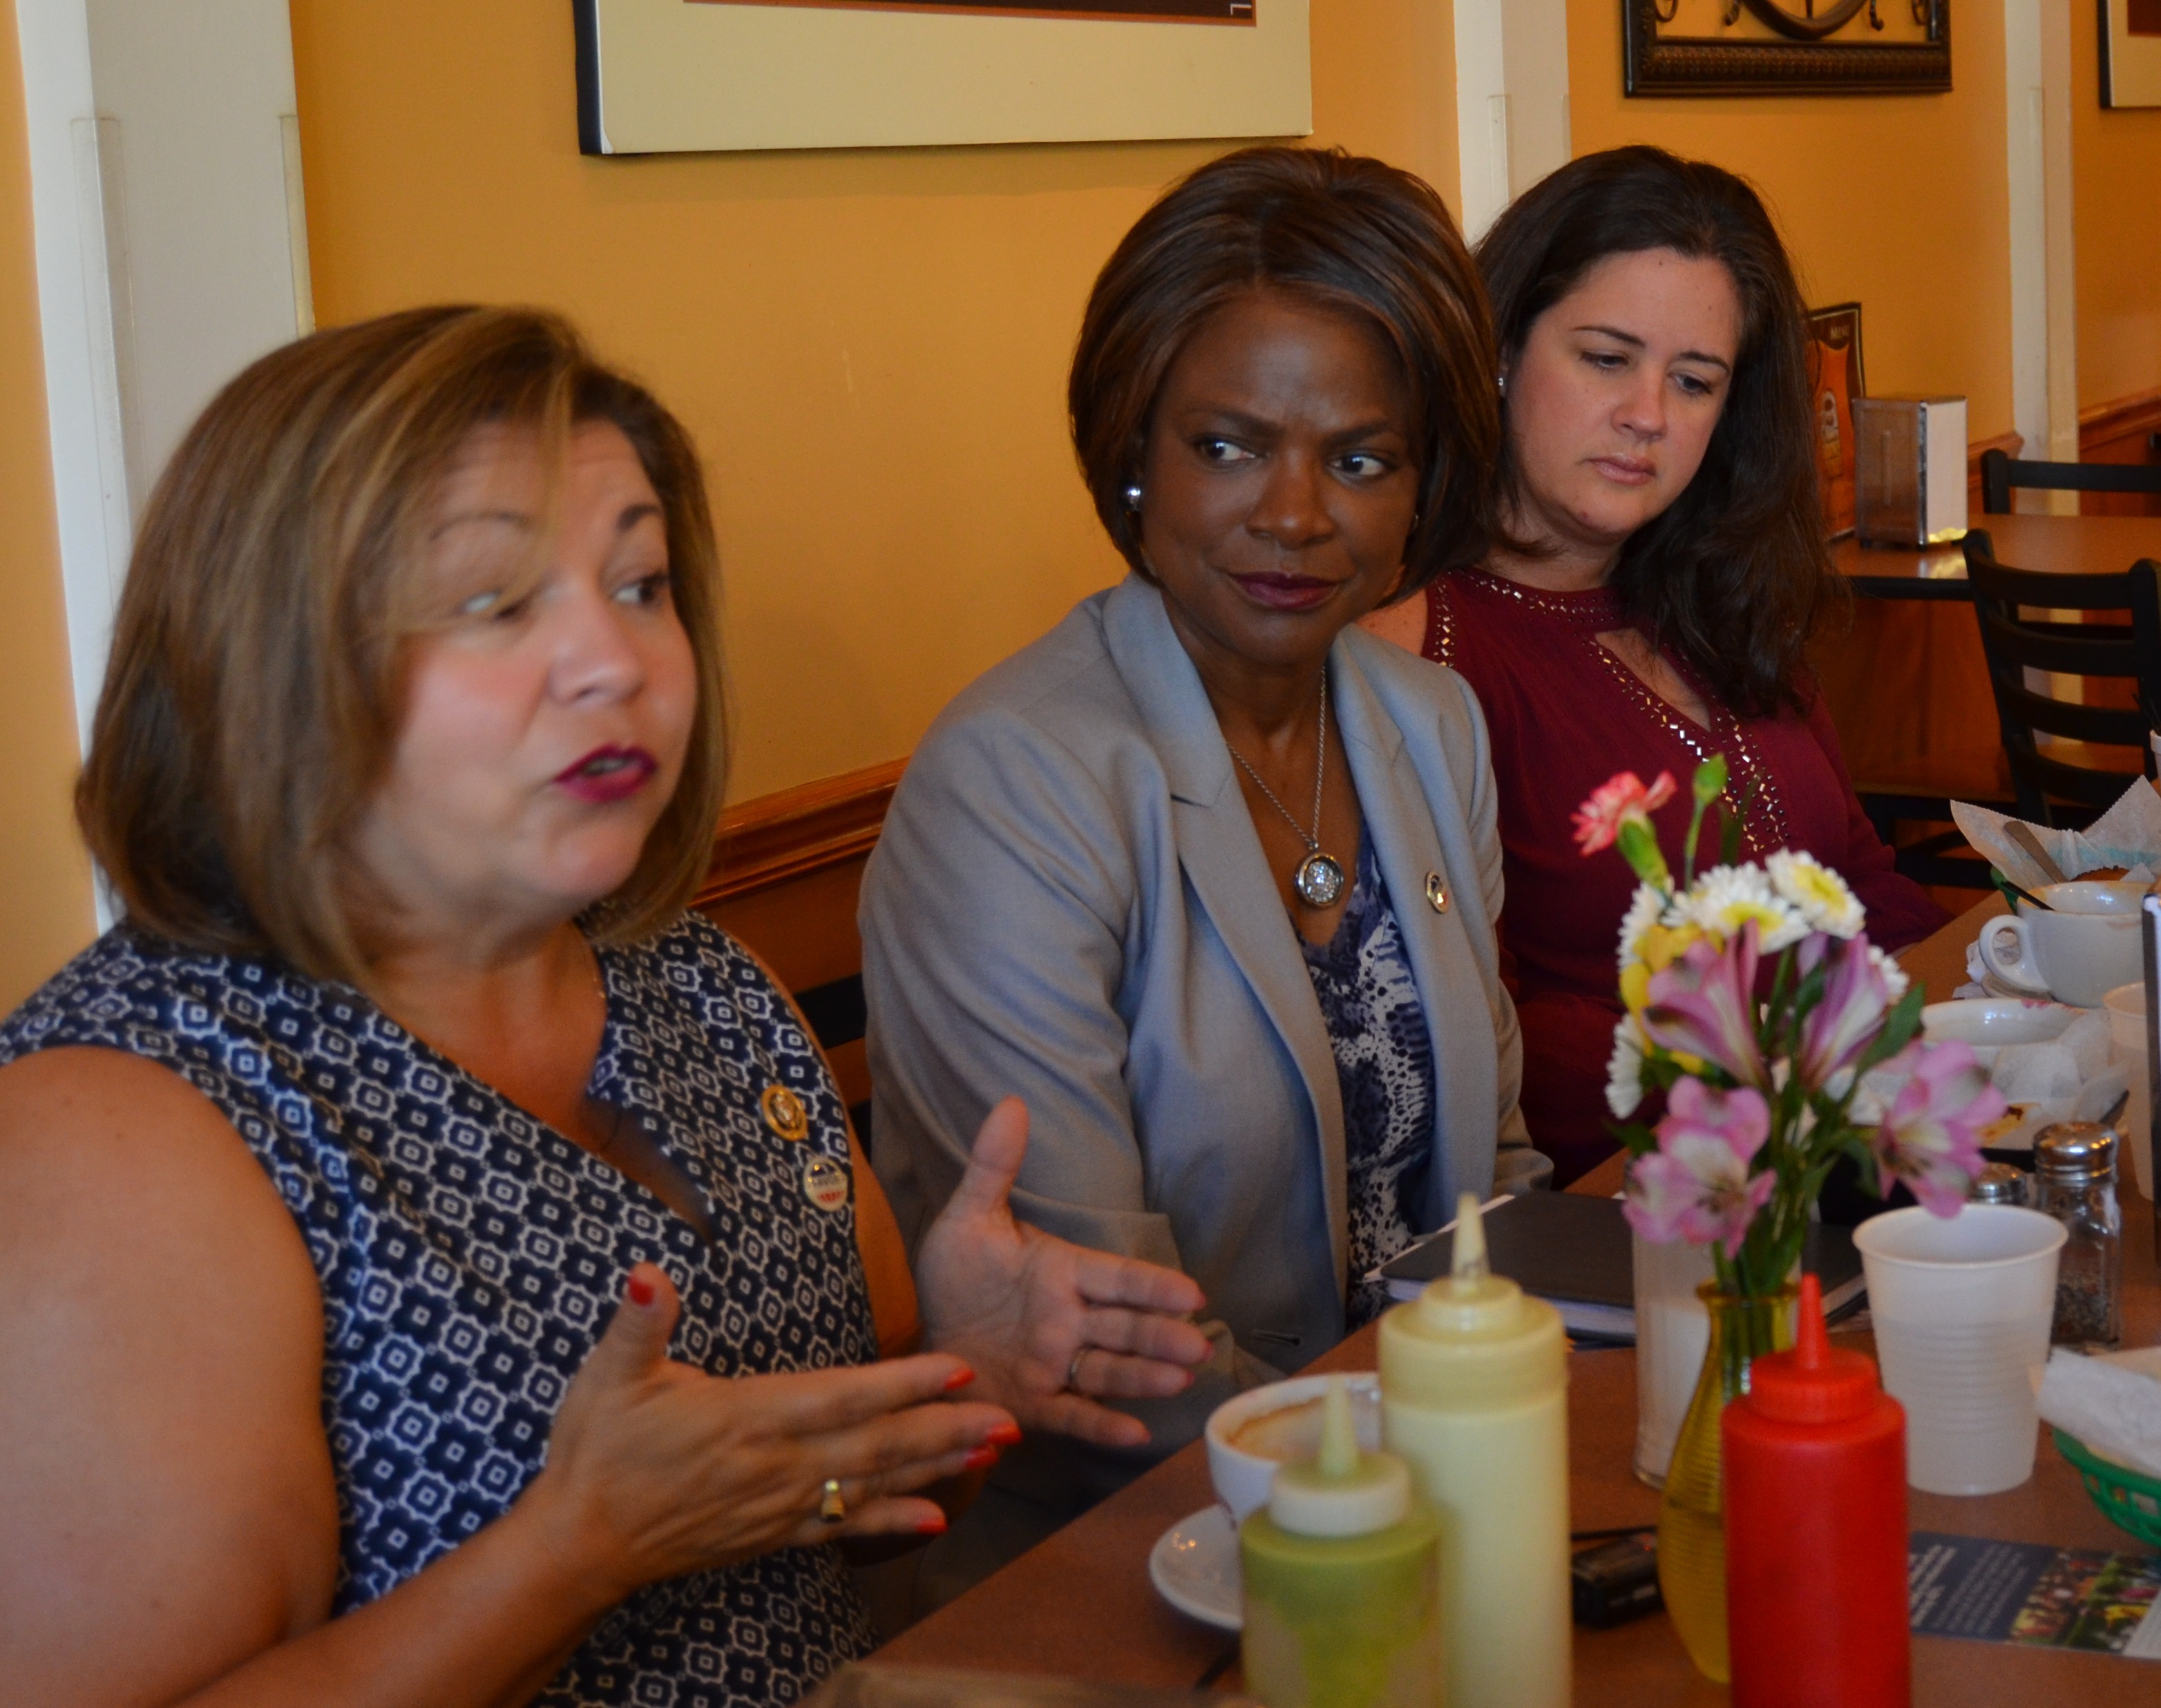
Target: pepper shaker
[(1999, 1183), (2074, 1182)]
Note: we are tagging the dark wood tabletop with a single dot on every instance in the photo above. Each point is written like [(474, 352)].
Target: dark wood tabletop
[(1081, 1605), (2065, 545)]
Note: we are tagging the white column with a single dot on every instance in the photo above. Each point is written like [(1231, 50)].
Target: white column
[(2043, 280), (1511, 101)]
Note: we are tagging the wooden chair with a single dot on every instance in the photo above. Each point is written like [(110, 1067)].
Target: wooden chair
[(2069, 782), (2000, 475)]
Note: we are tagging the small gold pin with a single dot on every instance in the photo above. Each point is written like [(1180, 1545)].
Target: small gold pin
[(824, 1183), (784, 1114), (1436, 893)]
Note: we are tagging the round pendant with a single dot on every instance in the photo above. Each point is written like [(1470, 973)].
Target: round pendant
[(1319, 880)]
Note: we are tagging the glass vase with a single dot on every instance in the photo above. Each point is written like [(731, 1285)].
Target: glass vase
[(1691, 1515)]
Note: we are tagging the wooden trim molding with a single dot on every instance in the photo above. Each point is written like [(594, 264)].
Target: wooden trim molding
[(800, 831), (2134, 417)]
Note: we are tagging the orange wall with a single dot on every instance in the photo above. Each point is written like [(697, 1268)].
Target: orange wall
[(870, 347), (45, 879), (1898, 202), (2116, 173)]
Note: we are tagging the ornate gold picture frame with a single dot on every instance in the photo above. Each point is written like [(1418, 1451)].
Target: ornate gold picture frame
[(1786, 47)]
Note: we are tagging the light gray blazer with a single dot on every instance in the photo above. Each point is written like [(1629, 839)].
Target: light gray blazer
[(1069, 902)]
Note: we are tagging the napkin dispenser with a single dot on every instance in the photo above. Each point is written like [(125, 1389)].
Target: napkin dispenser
[(1909, 470)]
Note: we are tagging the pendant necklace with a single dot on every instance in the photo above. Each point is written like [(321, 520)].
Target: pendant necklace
[(1319, 878)]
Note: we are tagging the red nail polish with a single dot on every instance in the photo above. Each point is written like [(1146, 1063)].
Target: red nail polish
[(640, 1290), (960, 1379), (934, 1526), (1004, 1435), (982, 1459)]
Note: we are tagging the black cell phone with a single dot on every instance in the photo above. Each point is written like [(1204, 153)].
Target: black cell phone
[(1616, 1582)]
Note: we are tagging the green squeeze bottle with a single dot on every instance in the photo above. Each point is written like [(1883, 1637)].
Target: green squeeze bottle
[(1342, 1574)]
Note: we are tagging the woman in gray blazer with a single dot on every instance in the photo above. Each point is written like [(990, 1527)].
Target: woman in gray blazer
[(1206, 876)]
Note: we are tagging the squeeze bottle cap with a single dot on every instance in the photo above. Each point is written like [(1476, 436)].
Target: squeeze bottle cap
[(1475, 1340), (1343, 1493), (1816, 1383)]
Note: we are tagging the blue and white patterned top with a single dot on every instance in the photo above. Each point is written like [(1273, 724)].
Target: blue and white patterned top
[(1369, 999), (470, 1256)]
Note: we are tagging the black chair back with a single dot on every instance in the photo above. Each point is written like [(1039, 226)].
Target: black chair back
[(2000, 475), (2051, 789)]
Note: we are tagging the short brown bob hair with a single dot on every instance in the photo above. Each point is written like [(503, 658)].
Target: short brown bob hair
[(1347, 233), (256, 680)]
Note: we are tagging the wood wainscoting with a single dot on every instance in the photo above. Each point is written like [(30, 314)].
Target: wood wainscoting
[(2128, 430), (786, 869)]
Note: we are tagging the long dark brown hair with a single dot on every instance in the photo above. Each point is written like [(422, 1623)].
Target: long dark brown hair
[(1734, 574), (1352, 235), (255, 686)]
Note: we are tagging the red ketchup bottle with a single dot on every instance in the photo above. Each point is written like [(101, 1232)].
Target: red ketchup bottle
[(1816, 1530)]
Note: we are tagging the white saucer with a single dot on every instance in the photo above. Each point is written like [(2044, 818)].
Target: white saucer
[(1194, 1567)]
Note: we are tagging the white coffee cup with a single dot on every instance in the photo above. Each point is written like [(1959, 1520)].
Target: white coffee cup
[(1243, 1479), (2126, 1006), (2080, 948), (1961, 1306)]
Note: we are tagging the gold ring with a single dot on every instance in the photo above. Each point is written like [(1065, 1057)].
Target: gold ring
[(831, 1509)]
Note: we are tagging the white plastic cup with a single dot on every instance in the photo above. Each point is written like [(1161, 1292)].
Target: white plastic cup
[(1672, 1331), (1961, 1306), (2126, 1006)]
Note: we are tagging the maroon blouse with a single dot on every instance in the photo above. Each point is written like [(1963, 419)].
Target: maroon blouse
[(1565, 714)]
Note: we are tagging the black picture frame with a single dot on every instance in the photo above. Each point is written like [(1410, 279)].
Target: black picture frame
[(1653, 63)]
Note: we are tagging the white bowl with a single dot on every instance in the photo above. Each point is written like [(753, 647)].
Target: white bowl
[(1243, 1479), (1996, 1021)]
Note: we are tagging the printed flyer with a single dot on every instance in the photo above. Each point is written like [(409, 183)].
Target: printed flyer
[(2026, 1592)]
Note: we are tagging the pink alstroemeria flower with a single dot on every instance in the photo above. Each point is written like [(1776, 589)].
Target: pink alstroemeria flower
[(1703, 1004), (1856, 996), (1697, 1186), (1930, 1135), (1620, 798)]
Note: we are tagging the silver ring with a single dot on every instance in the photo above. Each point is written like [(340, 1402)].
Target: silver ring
[(831, 1509), (1073, 1369)]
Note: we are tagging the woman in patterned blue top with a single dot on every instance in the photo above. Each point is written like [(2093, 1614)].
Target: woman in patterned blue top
[(431, 1255)]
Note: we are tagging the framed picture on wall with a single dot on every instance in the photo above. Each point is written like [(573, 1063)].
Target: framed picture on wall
[(1834, 381), (665, 76), (2131, 52), (1786, 47)]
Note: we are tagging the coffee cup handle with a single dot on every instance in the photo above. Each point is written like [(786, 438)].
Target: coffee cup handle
[(2017, 968)]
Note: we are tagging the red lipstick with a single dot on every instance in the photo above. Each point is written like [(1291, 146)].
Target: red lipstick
[(1283, 592), (609, 774)]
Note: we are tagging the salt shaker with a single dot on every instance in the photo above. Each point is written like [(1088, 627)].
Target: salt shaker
[(1999, 1183), (2074, 1182)]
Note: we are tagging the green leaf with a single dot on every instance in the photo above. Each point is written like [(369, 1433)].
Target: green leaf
[(1729, 839), (1636, 1139), (1899, 1026)]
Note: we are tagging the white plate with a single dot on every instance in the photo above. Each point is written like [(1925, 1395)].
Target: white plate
[(1194, 1567), (1993, 1020)]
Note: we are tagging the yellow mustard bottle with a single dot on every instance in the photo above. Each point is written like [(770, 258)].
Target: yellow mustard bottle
[(1342, 1576), (1474, 1397)]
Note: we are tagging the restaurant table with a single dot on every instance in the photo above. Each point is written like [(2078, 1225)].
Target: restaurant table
[(2060, 545), (1081, 1606)]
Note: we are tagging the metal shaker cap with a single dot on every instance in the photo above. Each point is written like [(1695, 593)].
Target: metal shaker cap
[(1999, 1183), (2074, 1150)]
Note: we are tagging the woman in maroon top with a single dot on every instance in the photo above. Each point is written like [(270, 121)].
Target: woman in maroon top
[(1666, 565)]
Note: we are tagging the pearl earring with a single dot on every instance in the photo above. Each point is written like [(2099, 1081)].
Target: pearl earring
[(1501, 384), (1132, 497)]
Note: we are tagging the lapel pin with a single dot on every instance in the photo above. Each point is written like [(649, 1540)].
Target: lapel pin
[(784, 1114), (1436, 893), (826, 1183)]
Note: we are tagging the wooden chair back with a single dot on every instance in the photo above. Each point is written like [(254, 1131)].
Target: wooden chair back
[(2061, 783), (2001, 476)]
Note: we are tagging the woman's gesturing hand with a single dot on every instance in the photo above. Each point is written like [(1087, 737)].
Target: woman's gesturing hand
[(1041, 1319), (655, 1469)]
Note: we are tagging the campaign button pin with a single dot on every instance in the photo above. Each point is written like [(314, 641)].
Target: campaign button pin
[(826, 1183)]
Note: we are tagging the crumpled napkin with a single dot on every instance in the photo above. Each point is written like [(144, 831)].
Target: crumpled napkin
[(2129, 834), (2109, 1401)]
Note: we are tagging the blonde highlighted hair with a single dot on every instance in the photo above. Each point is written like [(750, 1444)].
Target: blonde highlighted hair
[(252, 700)]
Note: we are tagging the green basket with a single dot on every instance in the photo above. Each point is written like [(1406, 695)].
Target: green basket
[(2127, 1498)]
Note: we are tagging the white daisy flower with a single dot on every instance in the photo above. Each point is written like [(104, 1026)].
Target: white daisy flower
[(1821, 893), (1726, 898), (1624, 1072), (1647, 909)]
